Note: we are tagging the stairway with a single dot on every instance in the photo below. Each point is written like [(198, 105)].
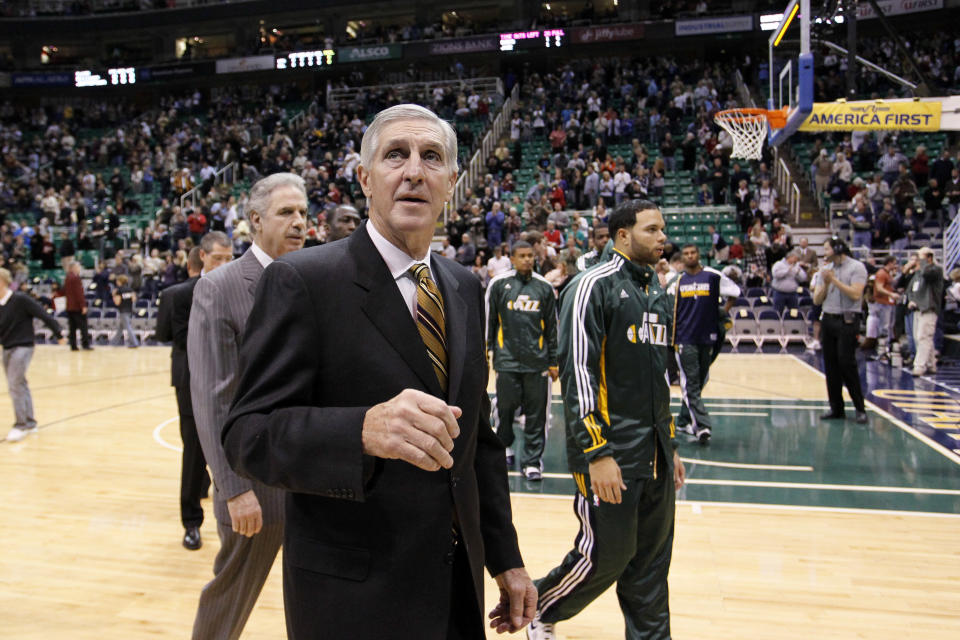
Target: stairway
[(810, 213)]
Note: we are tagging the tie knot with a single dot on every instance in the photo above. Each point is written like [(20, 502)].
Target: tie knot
[(420, 271)]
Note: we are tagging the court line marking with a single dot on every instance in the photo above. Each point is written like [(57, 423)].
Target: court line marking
[(740, 413), (771, 507), (159, 438), (930, 442), (792, 485), (744, 465)]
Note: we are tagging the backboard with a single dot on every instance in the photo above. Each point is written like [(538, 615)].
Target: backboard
[(791, 69)]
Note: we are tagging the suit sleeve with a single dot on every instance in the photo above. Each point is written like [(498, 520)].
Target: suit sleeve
[(274, 431), (496, 518), (212, 342), (582, 327), (164, 328), (550, 326)]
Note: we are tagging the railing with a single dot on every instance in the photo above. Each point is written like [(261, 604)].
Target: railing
[(337, 98), (476, 168), (224, 175), (787, 187)]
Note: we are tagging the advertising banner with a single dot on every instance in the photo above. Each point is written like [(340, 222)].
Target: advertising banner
[(249, 63), (868, 115), (463, 45), (374, 52), (612, 33), (703, 26), (42, 79), (897, 7), (173, 72)]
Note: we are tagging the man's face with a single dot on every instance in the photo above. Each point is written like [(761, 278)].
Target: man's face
[(643, 243), (792, 259), (522, 260), (282, 228), (600, 238), (803, 243), (409, 180), (343, 225), (691, 257), (827, 250), (218, 256)]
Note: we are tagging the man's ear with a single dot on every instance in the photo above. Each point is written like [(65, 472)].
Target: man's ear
[(364, 177)]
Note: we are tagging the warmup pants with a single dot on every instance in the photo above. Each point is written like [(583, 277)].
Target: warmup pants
[(15, 363), (629, 544), (839, 344), (529, 392), (880, 320), (694, 361)]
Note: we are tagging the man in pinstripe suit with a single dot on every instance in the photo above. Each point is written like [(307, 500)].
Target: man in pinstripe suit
[(249, 514)]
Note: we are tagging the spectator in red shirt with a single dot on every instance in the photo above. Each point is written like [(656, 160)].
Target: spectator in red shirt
[(553, 236), (558, 196), (736, 249), (76, 308), (197, 223)]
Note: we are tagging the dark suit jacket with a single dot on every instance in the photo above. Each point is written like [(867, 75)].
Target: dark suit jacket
[(367, 544), (173, 319)]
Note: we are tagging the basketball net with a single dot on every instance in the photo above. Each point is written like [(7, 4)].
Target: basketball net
[(748, 129)]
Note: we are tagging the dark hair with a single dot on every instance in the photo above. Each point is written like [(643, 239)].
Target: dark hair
[(690, 245), (838, 246), (625, 215), (890, 259), (520, 244), (194, 263)]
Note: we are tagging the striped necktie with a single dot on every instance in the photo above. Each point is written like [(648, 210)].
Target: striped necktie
[(430, 322)]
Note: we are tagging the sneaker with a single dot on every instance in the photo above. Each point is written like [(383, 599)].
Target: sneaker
[(704, 435), (511, 458), (532, 473), (687, 429), (537, 630), (19, 433), (814, 345)]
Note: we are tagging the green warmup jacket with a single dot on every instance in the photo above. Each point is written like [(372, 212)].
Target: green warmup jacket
[(522, 323), (615, 326)]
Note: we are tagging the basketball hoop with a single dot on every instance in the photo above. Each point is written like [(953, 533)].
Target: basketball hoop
[(748, 128)]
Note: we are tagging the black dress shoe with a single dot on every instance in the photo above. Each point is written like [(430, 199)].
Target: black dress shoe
[(191, 539), (88, 348), (861, 417), (830, 415), (74, 348)]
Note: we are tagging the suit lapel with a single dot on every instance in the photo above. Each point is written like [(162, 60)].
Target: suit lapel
[(386, 309), (251, 269), (455, 310)]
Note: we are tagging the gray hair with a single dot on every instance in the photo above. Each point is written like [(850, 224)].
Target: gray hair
[(795, 253), (263, 189), (407, 112), (214, 238)]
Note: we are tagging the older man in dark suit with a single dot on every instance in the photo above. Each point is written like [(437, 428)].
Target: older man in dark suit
[(172, 322), (363, 393), (249, 514)]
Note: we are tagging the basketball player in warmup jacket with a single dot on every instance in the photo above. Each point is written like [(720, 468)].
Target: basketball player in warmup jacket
[(696, 323)]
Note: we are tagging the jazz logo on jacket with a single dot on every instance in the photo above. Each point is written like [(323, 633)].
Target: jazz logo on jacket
[(524, 303), (650, 331)]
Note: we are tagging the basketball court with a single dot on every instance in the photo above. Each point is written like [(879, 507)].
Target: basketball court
[(788, 527)]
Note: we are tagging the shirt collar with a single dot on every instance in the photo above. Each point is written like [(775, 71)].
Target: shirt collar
[(5, 299), (398, 262), (261, 255)]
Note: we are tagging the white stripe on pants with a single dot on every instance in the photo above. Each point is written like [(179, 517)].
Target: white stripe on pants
[(924, 326)]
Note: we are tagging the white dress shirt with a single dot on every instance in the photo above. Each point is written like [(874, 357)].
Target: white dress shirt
[(399, 263), (261, 255)]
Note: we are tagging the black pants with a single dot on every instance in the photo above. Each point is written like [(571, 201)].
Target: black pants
[(839, 343), (628, 544), (528, 392), (77, 320), (466, 623), (194, 481)]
